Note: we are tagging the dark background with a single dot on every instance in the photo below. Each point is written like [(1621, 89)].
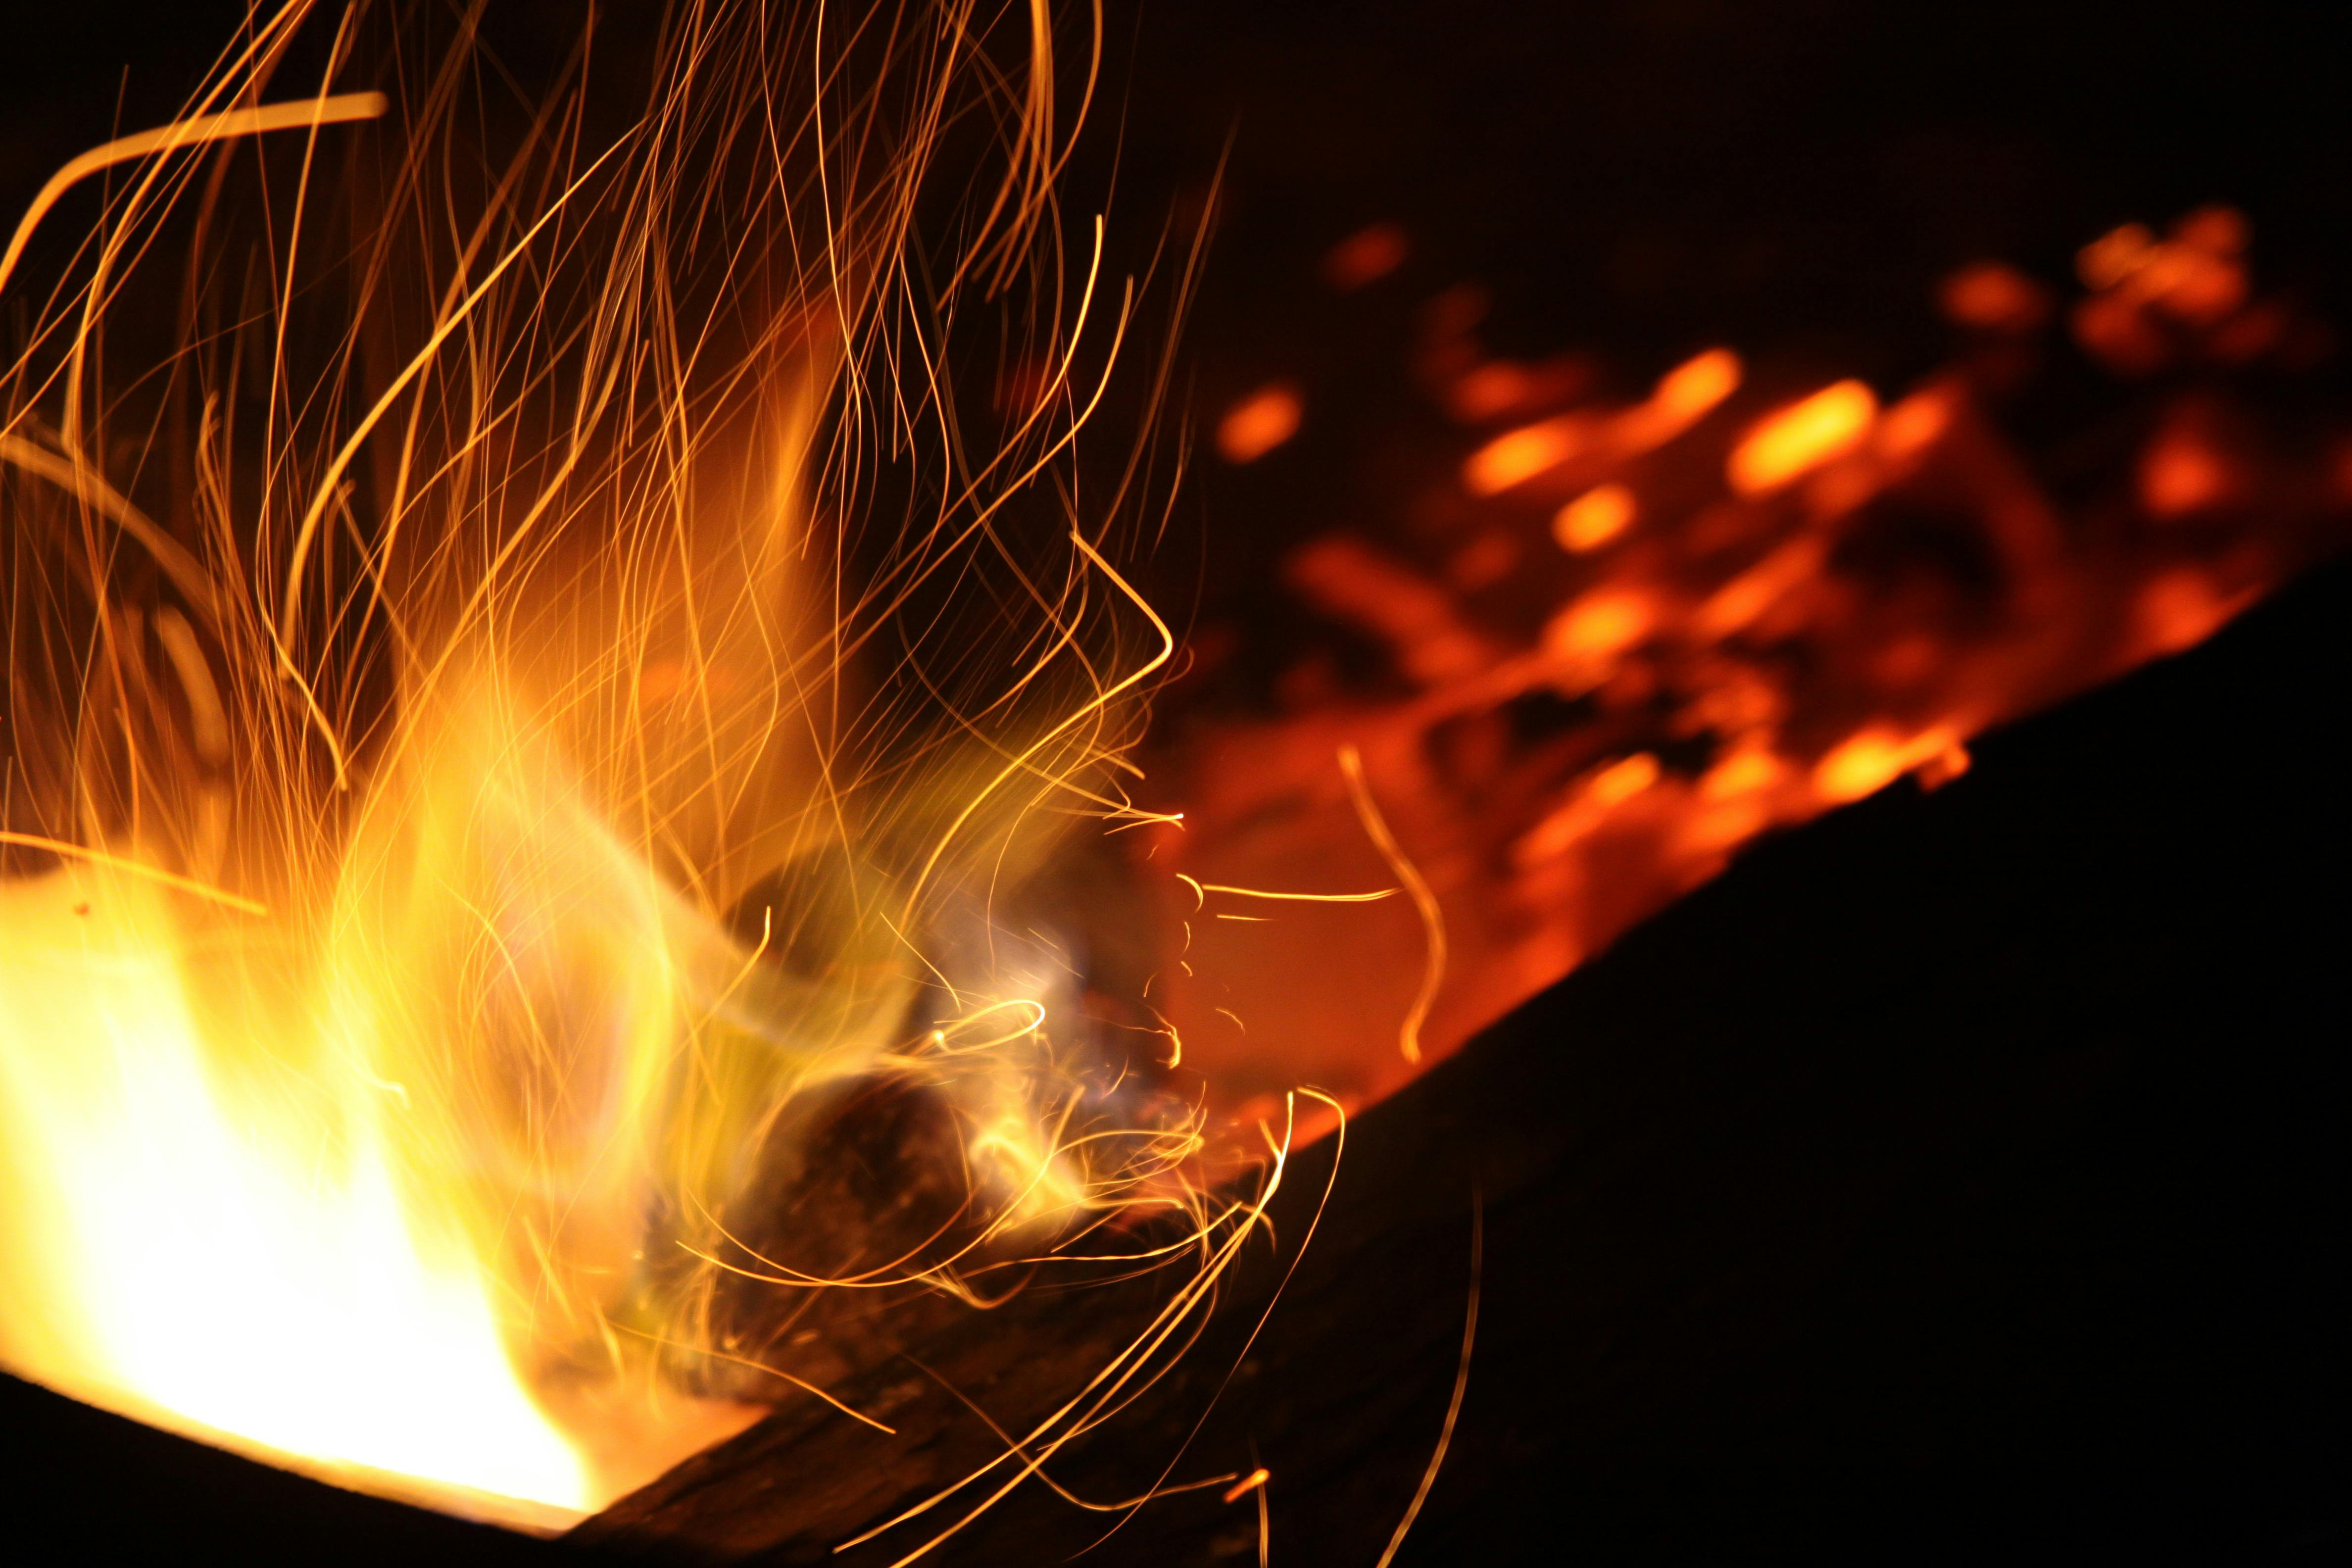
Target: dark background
[(1643, 178), (1638, 178)]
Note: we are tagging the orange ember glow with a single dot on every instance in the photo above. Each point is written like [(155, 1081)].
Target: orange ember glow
[(2181, 473), (1604, 622), (1690, 391), (1870, 761), (1594, 518), (1790, 444), (1993, 297), (1259, 423), (1683, 397), (1514, 458), (1365, 256), (1623, 639), (2157, 302)]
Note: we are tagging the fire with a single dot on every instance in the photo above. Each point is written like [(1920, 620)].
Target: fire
[(1874, 758), (1513, 460), (1683, 396), (1802, 437), (462, 844), (1688, 392), (1596, 627), (1259, 423), (227, 1260), (1594, 518)]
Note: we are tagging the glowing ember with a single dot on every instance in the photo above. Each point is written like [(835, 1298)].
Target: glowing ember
[(1365, 256), (1801, 437), (1993, 297), (1594, 518), (1259, 423)]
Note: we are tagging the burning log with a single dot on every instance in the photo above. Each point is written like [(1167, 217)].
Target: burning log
[(1952, 1170)]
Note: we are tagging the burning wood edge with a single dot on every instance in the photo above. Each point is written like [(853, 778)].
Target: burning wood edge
[(1782, 1198)]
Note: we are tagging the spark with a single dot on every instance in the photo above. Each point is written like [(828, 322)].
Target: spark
[(1432, 920), (1371, 898), (179, 136), (1461, 1386), (188, 885)]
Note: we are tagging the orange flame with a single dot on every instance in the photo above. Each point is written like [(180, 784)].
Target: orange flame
[(459, 867)]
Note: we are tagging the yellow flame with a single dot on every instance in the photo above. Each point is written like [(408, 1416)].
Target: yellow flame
[(456, 878), (228, 1263)]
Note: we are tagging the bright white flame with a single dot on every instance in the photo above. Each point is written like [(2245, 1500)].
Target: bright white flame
[(303, 1312)]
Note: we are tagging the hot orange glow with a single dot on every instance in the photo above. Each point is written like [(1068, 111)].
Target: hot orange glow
[(1802, 437), (1600, 624), (2113, 256), (1368, 254), (1993, 297), (1620, 782), (2181, 473), (1520, 456), (1494, 391), (1259, 423), (2153, 299), (527, 705), (1876, 757), (2181, 609), (1594, 518), (1746, 771), (1588, 807), (132, 1179), (1915, 424), (1684, 396)]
